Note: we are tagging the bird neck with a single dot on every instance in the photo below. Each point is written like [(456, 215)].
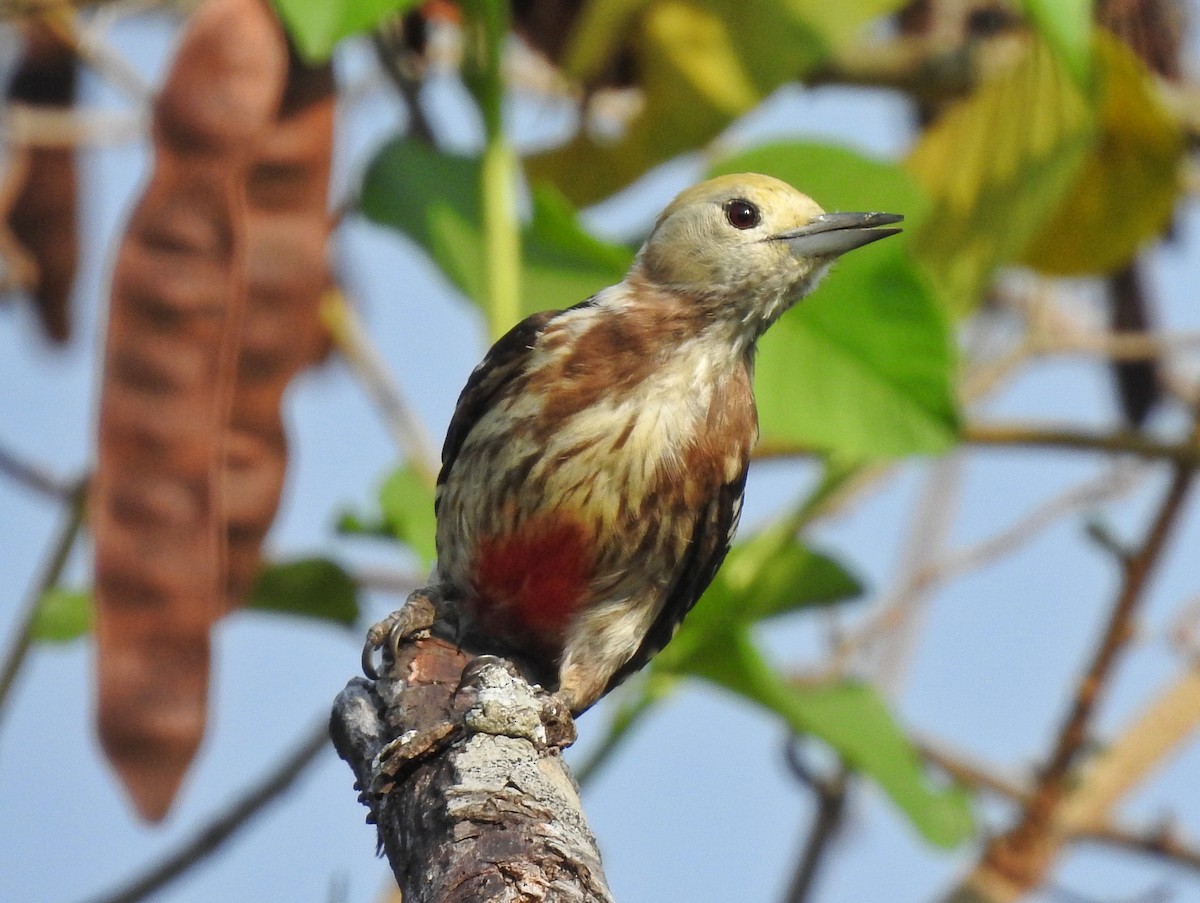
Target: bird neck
[(686, 323)]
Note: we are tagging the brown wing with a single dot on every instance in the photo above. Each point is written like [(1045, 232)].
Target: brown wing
[(504, 362), (711, 538)]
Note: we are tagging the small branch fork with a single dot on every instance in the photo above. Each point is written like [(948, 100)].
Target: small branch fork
[(831, 793), (1019, 860), (459, 761)]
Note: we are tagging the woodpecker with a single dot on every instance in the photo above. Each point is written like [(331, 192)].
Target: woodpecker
[(593, 472)]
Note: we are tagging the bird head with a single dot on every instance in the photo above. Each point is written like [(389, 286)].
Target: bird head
[(748, 246)]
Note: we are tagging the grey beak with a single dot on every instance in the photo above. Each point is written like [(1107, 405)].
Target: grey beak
[(831, 234)]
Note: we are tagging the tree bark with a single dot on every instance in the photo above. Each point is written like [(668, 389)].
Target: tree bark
[(459, 761)]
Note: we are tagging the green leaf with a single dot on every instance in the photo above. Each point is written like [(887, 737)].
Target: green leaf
[(62, 615), (352, 523), (310, 587), (597, 36), (701, 64), (764, 577), (1067, 27), (317, 25), (770, 574), (853, 720), (406, 501), (433, 199), (1127, 187), (563, 262), (864, 368), (996, 165)]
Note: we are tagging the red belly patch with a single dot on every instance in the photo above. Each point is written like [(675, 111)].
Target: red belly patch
[(530, 582)]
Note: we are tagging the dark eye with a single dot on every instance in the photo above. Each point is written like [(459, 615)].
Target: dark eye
[(741, 214)]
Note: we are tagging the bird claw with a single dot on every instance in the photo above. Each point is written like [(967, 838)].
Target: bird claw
[(419, 612), (399, 758)]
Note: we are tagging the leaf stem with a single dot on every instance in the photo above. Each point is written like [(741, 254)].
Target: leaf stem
[(486, 24), (501, 239)]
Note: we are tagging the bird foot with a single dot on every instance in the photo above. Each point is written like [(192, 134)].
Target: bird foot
[(419, 613), (494, 698), (500, 701)]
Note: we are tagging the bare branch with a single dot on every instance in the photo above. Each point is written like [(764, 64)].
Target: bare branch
[(831, 792), (60, 553), (903, 609), (1110, 485), (971, 773), (1161, 842), (1019, 859), (1130, 442), (41, 126), (1161, 728), (212, 836)]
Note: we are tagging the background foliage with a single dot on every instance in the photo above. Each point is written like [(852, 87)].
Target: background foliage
[(1041, 154)]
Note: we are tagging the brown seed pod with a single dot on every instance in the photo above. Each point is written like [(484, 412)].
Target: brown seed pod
[(42, 218), (172, 352), (287, 230)]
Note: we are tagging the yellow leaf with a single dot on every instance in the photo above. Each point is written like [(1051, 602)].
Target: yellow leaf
[(995, 166), (695, 42), (842, 23), (1127, 187), (700, 64)]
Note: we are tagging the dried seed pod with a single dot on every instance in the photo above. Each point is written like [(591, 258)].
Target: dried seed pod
[(287, 230), (178, 298), (42, 217)]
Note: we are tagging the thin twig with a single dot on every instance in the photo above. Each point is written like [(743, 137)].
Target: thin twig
[(1108, 486), (1121, 346), (1160, 729), (1161, 842), (927, 536), (33, 477), (1036, 435), (1185, 454), (971, 774), (400, 69), (831, 792), (212, 836), (1022, 855), (365, 360), (29, 125), (1073, 734), (90, 45), (895, 606), (60, 553)]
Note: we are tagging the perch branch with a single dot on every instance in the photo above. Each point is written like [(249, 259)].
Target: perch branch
[(459, 762)]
